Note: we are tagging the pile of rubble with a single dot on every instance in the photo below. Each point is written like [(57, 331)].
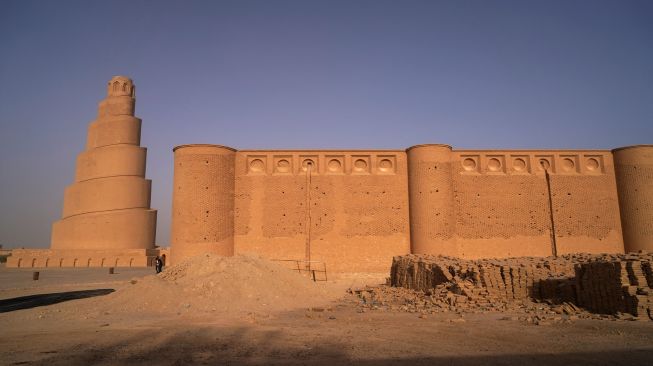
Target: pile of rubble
[(462, 297), (512, 278), (565, 287)]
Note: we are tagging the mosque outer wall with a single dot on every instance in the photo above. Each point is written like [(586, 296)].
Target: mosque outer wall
[(427, 199), (358, 207), (255, 202), (497, 202)]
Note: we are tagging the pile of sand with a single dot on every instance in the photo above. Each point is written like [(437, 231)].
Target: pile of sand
[(214, 284)]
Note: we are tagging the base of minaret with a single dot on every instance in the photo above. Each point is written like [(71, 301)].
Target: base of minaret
[(117, 229)]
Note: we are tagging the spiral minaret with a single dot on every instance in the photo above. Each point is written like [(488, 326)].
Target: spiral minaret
[(108, 206)]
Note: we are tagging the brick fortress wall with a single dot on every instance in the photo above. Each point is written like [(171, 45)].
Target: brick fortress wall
[(358, 205), (486, 204), (353, 205), (366, 206), (503, 204)]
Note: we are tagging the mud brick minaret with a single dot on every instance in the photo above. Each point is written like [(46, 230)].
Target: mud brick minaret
[(108, 206)]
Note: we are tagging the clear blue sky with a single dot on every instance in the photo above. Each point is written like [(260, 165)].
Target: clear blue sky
[(311, 74)]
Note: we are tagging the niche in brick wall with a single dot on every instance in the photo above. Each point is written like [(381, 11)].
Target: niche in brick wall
[(568, 164), (545, 162), (470, 164), (593, 164), (335, 164), (520, 164), (495, 164), (282, 164), (386, 164), (360, 164), (256, 164), (308, 161)]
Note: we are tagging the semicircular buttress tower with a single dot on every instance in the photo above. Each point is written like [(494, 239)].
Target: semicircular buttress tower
[(203, 201), (633, 167), (430, 187)]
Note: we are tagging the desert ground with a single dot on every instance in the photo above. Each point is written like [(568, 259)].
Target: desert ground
[(252, 313)]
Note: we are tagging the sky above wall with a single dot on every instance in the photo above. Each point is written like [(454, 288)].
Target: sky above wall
[(311, 74)]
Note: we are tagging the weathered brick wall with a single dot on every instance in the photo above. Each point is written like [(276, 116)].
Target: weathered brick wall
[(367, 206), (358, 207), (502, 203)]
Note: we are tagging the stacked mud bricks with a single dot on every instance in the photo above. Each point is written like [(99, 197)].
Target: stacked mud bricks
[(513, 278), (605, 284), (622, 284), (527, 278)]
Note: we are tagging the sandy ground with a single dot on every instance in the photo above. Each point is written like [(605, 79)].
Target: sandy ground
[(66, 333)]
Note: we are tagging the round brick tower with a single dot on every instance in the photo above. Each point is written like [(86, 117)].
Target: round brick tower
[(203, 201), (430, 188), (633, 167)]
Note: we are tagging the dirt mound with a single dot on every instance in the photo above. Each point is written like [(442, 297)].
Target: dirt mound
[(214, 284)]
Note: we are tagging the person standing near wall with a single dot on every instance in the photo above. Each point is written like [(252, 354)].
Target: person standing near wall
[(158, 264)]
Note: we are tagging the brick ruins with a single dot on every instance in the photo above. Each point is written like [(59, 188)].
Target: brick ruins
[(573, 285)]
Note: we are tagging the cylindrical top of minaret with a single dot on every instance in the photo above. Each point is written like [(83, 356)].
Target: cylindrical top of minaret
[(121, 86), (121, 92)]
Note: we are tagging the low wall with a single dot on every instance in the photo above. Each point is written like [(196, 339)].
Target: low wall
[(52, 258)]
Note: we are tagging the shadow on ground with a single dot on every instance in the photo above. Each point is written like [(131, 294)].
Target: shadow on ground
[(32, 301), (245, 346)]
